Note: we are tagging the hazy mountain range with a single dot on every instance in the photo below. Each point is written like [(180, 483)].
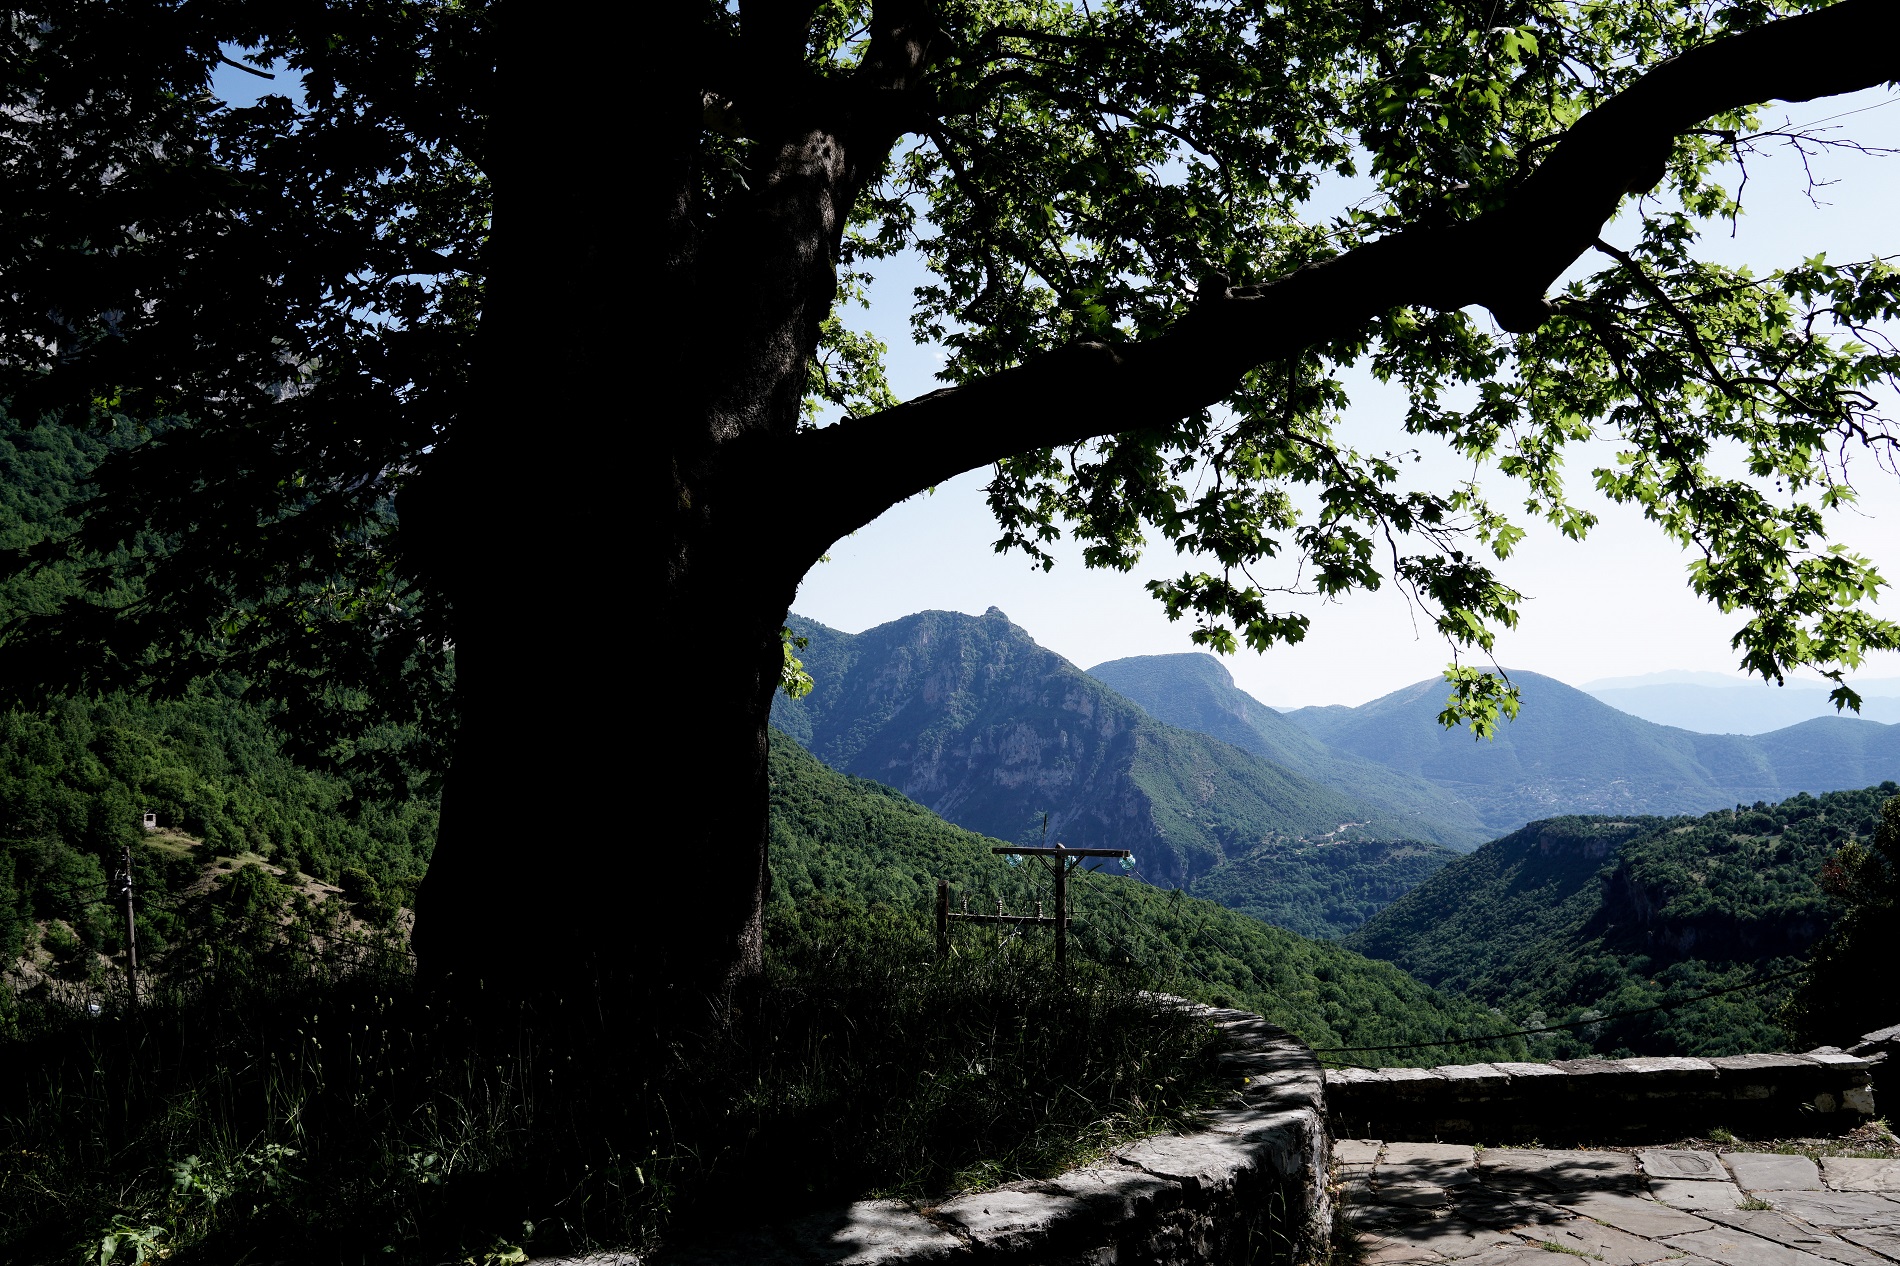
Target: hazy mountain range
[(1196, 692), (1570, 753), (1566, 753), (1714, 704)]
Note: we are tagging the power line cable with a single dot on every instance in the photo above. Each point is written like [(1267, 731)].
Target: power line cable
[(1200, 934), (1201, 938), (67, 892), (1574, 1024), (1135, 927)]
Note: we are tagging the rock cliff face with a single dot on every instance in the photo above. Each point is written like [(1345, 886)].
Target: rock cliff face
[(1645, 913), (970, 717), (1512, 895)]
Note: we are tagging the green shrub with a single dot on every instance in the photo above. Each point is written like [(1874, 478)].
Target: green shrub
[(69, 954)]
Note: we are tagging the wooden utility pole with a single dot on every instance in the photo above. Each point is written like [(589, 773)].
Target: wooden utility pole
[(1061, 860), (131, 935), (943, 918)]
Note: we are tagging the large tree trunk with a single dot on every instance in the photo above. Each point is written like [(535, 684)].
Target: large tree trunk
[(605, 535), (605, 818)]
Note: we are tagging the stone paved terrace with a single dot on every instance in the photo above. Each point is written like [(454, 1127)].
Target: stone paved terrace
[(1431, 1202)]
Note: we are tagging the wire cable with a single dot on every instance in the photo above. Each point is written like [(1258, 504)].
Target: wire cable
[(1574, 1024), (1201, 938), (65, 893), (1134, 927)]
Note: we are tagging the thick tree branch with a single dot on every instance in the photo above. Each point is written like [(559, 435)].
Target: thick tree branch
[(1504, 260)]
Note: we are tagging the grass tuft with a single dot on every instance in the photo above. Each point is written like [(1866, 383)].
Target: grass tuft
[(345, 1115)]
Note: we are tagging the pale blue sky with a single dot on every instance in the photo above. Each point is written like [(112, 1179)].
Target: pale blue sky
[(1614, 606)]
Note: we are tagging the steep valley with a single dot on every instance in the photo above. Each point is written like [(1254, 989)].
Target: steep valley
[(841, 839), (1196, 692), (968, 716), (1574, 918)]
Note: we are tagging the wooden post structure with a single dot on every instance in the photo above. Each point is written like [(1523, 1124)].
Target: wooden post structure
[(943, 918), (131, 937), (1062, 907), (1062, 860)]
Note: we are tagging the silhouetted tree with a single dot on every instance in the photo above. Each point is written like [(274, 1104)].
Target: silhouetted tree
[(512, 336)]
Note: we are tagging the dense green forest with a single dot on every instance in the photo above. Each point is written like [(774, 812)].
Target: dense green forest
[(1575, 918), (1566, 919), (1321, 888), (859, 842), (74, 782), (76, 775)]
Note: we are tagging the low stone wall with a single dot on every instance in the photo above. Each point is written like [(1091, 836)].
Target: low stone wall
[(1248, 1187), (1882, 1047), (1571, 1101)]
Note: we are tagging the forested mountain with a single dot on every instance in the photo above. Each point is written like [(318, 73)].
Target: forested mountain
[(1196, 692), (1323, 889), (852, 840), (1567, 753), (971, 718), (76, 775), (1576, 917)]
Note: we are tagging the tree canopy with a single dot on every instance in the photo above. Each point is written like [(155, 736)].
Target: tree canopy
[(1120, 207), (471, 312)]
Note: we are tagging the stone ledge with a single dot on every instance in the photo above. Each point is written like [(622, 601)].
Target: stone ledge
[(1631, 1100), (1255, 1173)]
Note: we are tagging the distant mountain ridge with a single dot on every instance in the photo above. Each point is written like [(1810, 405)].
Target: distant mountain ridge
[(1196, 692), (1740, 707), (1568, 753), (969, 717)]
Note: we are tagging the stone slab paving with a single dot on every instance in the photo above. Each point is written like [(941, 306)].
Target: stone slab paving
[(1839, 1210), (1769, 1225), (1738, 1248), (1885, 1243), (1589, 1238), (1519, 1169), (1437, 1164), (1694, 1166), (1418, 1203), (1504, 1210), (1636, 1214), (1766, 1171), (1848, 1173), (1685, 1193), (1353, 1153)]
